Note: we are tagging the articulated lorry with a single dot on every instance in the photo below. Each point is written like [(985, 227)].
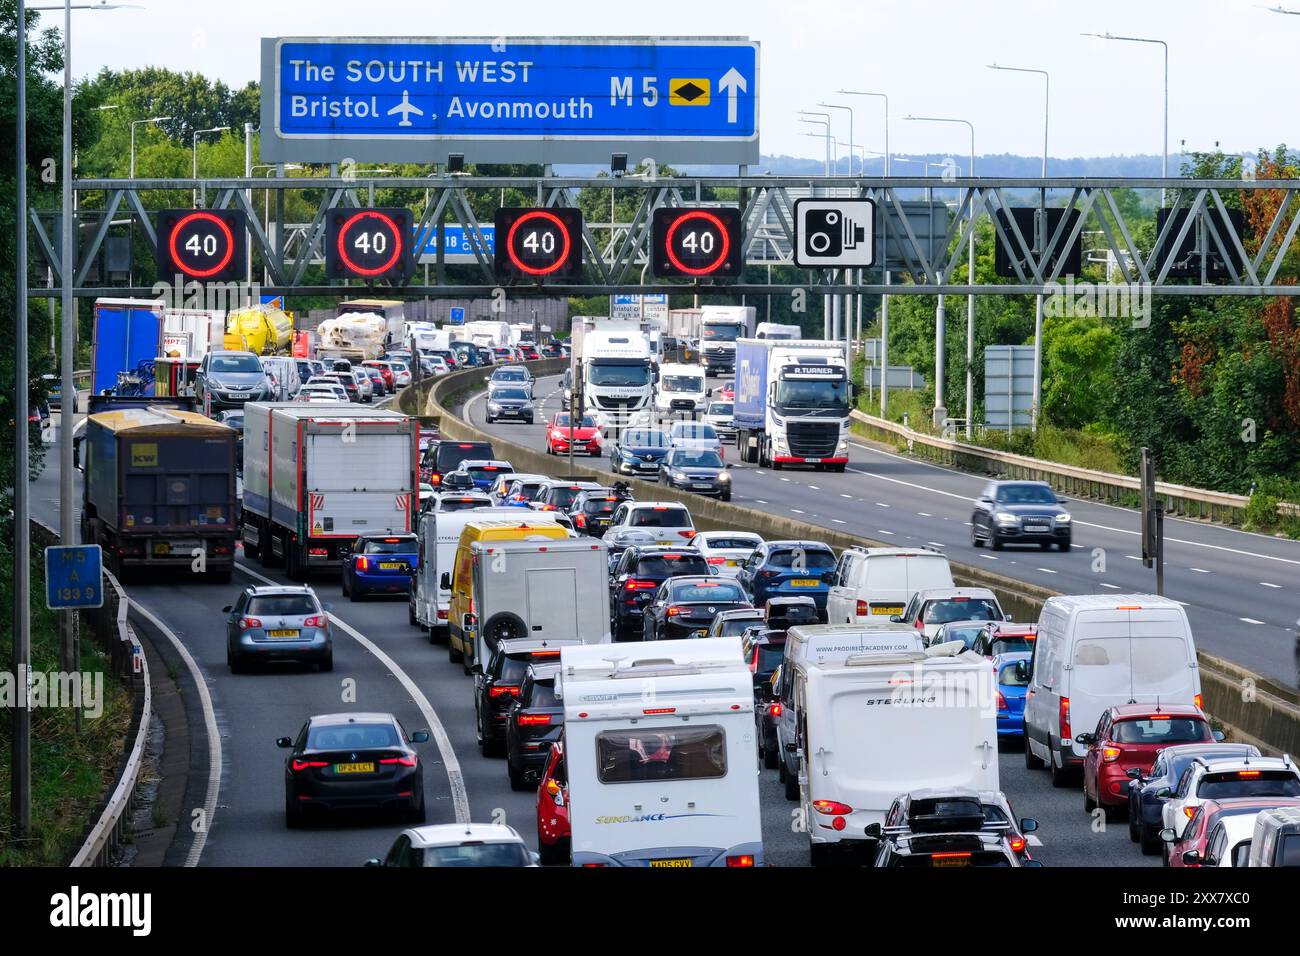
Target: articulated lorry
[(708, 335), (792, 403), (159, 489), (616, 374), (124, 333), (316, 476)]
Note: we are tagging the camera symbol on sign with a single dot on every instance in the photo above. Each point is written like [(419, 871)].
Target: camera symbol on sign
[(834, 233), (830, 233)]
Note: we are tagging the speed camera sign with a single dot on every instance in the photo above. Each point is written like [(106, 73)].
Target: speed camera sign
[(833, 233)]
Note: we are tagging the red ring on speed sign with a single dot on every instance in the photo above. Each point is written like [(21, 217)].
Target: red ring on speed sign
[(510, 242), (717, 224), (208, 217), (392, 228)]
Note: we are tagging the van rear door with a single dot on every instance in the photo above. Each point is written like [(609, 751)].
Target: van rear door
[(552, 602)]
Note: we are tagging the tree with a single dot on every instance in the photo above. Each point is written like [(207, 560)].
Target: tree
[(1078, 354)]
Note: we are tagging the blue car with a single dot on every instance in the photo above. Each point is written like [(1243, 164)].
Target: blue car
[(789, 569), (380, 564), (485, 472), (1011, 694), (638, 452), (1145, 803)]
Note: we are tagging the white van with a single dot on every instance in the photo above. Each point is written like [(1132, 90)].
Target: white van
[(873, 726), (282, 370), (544, 589), (1097, 650), (439, 536), (659, 743), (680, 390), (871, 582)]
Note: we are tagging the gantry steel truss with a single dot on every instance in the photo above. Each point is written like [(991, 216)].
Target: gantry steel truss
[(926, 257)]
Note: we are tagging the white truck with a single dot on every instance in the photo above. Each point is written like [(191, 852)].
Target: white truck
[(680, 390), (660, 753), (487, 333), (792, 403), (875, 725), (710, 332), (316, 476), (776, 330), (426, 336), (616, 375)]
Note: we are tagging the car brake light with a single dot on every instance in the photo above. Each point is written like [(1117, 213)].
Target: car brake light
[(545, 653), (775, 709), (831, 807), (1065, 719), (1198, 700), (862, 608), (1247, 774), (405, 761), (301, 765), (363, 564), (716, 560), (1017, 844), (635, 585), (246, 623), (318, 552), (1110, 754), (533, 720), (673, 611), (1002, 701), (743, 860), (503, 690), (687, 534), (950, 856), (316, 620), (770, 574), (659, 710), (580, 520)]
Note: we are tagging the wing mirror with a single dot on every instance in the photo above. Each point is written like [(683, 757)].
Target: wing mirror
[(227, 609), (1088, 740), (875, 831), (420, 737), (444, 581), (1218, 735), (1022, 670), (1193, 858), (895, 619), (284, 741), (1028, 824), (374, 861), (1164, 793), (1134, 773)]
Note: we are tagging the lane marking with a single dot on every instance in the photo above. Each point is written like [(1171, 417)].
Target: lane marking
[(215, 756), (842, 495), (837, 521), (988, 557), (814, 488), (1133, 557), (1249, 620), (937, 544), (1199, 570), (796, 511), (1268, 584), (1107, 584), (924, 515), (1044, 570), (455, 779), (883, 531)]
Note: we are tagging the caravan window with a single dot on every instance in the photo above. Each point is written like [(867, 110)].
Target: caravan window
[(661, 753)]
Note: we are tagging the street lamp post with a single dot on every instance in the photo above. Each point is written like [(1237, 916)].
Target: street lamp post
[(825, 122), (970, 275), (1037, 394), (1164, 149), (194, 154), (134, 124), (849, 110)]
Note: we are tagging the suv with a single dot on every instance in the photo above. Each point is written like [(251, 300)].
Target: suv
[(789, 569), (497, 686), (278, 623), (1144, 807), (226, 379), (1019, 512), (592, 510), (534, 721), (668, 521), (952, 828), (446, 455), (636, 578), (1224, 779), (684, 607), (930, 609)]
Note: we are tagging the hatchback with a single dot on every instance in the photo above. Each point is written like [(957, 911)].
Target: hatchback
[(789, 568), (380, 563), (278, 623)]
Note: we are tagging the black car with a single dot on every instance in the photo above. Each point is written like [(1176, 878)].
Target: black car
[(783, 613), (559, 495), (445, 455), (696, 469), (592, 510), (637, 578), (764, 649), (951, 828), (511, 403), (497, 686), (639, 451), (1019, 512), (353, 761), (533, 722), (379, 387), (684, 607)]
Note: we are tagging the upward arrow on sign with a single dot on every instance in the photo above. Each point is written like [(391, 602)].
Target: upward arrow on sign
[(732, 83)]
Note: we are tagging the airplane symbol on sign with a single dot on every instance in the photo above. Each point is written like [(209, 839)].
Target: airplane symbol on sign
[(407, 108)]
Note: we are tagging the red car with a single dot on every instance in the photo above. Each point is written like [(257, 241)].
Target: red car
[(1197, 835), (385, 370), (559, 434), (553, 833), (529, 353), (1128, 737), (726, 393)]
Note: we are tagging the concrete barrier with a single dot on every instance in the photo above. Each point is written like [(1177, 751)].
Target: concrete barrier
[(1252, 708)]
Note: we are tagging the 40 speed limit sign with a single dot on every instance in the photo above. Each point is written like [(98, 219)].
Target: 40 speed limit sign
[(206, 245), (369, 243)]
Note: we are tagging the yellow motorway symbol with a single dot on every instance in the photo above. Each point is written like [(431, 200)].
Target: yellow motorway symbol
[(688, 92)]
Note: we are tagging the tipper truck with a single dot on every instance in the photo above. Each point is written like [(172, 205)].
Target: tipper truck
[(159, 490), (792, 403), (316, 476)]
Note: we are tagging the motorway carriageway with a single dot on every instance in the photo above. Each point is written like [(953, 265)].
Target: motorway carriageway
[(384, 664), (1241, 590)]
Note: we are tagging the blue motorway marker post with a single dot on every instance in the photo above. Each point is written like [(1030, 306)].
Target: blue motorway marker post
[(74, 577)]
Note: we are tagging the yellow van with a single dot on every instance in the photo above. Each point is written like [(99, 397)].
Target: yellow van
[(461, 621)]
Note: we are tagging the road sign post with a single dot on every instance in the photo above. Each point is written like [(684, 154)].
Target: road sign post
[(74, 576), (1153, 519)]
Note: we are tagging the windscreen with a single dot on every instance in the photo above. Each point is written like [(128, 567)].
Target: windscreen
[(966, 635), (234, 363), (813, 559), (562, 497), (813, 393), (399, 545), (968, 609), (697, 459), (453, 503), (670, 565), (1161, 732), (727, 542), (1011, 645), (1026, 494), (721, 333), (660, 518), (543, 695), (722, 409), (1288, 852), (477, 854), (661, 753), (707, 592), (644, 438), (509, 375), (281, 605), (510, 394), (1007, 676), (352, 737), (733, 627), (682, 383), (598, 506), (451, 454), (695, 432), (618, 376), (1113, 665), (1248, 783), (563, 421)]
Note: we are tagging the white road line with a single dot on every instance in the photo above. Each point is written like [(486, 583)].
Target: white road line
[(842, 495), (883, 531), (937, 544), (785, 479), (814, 488), (797, 511), (760, 501), (988, 557), (1249, 620), (1033, 840), (455, 779), (924, 515), (881, 504), (1268, 584), (1045, 570), (1107, 584), (1199, 570), (215, 755), (837, 521), (1133, 557)]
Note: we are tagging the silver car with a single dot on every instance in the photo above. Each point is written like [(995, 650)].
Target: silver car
[(365, 388), (278, 623)]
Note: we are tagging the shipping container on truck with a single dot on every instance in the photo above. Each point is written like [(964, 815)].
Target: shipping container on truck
[(317, 476), (124, 333), (159, 490), (792, 403)]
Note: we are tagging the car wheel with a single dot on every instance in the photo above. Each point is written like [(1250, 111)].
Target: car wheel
[(1089, 804), (975, 541), (343, 583), (516, 775), (557, 855), (1031, 762), (1045, 545), (770, 758), (791, 786), (1061, 776), (418, 814), (410, 614), (820, 854), (994, 541), (727, 496), (1064, 545), (453, 655)]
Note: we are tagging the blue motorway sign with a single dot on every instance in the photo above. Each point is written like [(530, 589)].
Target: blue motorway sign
[(74, 576), (518, 100), (456, 315), (458, 243)]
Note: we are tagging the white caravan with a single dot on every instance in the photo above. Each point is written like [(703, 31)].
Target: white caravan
[(659, 742)]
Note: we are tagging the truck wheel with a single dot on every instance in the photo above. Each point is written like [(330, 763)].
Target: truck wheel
[(839, 469), (266, 556), (557, 855), (293, 561)]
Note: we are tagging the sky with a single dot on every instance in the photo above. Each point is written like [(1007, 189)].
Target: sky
[(1233, 69)]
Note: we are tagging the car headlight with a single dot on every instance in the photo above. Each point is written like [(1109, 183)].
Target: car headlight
[(494, 406), (723, 476), (1004, 517), (1063, 519)]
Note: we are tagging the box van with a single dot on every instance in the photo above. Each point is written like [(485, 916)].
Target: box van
[(1276, 838), (439, 535), (462, 622), (875, 725), (819, 643), (680, 389), (659, 742), (881, 581), (1097, 650), (544, 589)]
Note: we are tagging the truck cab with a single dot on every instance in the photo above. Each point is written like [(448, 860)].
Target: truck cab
[(617, 379), (681, 390)]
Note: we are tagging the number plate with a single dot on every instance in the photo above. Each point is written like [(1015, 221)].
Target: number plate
[(805, 582), (282, 633), (732, 564), (703, 484), (813, 461), (354, 768), (686, 862), (392, 565), (950, 861), (890, 609)]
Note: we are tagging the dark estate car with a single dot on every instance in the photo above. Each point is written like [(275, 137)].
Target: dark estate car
[(497, 686), (684, 607), (533, 722), (637, 577)]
